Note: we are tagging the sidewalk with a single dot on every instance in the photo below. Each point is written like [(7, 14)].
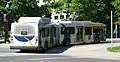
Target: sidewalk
[(114, 39), (6, 45), (97, 51)]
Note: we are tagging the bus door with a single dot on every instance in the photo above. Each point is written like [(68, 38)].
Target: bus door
[(88, 35), (82, 33), (57, 35), (78, 34), (65, 37), (79, 37), (53, 35), (45, 36), (72, 34)]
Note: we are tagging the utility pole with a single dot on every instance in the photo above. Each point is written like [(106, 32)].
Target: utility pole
[(111, 29)]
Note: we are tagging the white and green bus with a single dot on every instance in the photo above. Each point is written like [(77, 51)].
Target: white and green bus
[(37, 33)]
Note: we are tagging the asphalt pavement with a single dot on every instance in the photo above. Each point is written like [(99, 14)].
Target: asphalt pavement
[(98, 51), (49, 58), (76, 53)]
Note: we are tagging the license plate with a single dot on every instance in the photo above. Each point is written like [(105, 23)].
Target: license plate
[(23, 32)]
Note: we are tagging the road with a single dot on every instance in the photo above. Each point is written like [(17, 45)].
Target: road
[(53, 55)]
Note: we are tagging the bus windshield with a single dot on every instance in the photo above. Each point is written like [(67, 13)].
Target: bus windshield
[(97, 30)]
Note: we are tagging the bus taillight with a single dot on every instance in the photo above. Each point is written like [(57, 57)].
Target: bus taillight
[(11, 38), (36, 38)]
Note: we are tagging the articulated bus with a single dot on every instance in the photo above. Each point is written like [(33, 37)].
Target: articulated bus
[(37, 33), (76, 32)]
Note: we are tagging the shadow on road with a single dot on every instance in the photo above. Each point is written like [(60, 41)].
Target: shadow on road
[(53, 50), (59, 49)]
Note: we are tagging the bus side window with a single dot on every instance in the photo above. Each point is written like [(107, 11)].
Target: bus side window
[(54, 31), (71, 30), (45, 32), (62, 30), (88, 30)]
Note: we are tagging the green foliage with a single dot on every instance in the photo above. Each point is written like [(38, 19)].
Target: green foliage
[(94, 10), (116, 4), (24, 7), (114, 49), (29, 8), (2, 6), (21, 8)]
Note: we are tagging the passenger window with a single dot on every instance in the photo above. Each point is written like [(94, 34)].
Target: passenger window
[(62, 30), (45, 32), (71, 30), (54, 31), (88, 31)]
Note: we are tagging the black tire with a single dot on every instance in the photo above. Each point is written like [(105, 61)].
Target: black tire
[(66, 42), (97, 40)]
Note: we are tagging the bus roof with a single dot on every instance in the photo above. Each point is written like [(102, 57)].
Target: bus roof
[(83, 23), (93, 24), (29, 19), (34, 20), (77, 23)]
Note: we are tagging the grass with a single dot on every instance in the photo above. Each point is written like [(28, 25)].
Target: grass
[(114, 49)]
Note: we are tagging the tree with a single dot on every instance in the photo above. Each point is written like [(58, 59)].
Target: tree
[(24, 8), (94, 10), (116, 4), (29, 8)]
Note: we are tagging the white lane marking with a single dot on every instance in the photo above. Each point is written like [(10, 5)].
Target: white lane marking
[(51, 58), (42, 59), (10, 54), (22, 54)]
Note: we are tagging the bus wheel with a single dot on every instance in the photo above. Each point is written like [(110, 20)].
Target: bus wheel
[(67, 42), (97, 40)]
